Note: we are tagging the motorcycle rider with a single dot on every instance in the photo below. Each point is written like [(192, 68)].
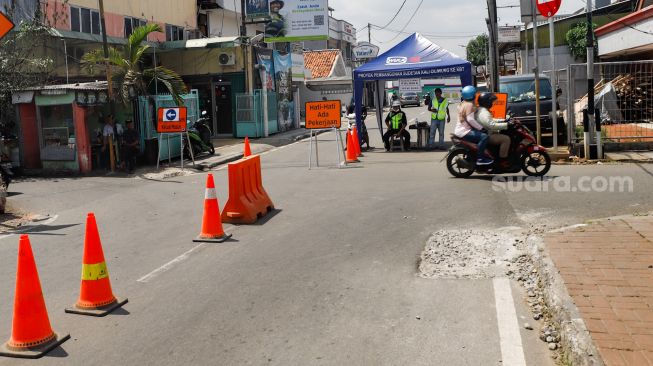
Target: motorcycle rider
[(468, 128), (485, 118)]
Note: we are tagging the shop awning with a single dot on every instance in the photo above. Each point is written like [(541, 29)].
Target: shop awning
[(88, 37), (214, 42)]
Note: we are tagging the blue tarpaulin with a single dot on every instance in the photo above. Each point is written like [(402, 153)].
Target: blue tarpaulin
[(415, 57)]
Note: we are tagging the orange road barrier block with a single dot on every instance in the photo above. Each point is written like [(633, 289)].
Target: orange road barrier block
[(31, 333), (248, 150), (357, 144), (352, 157), (248, 200), (95, 295), (212, 231)]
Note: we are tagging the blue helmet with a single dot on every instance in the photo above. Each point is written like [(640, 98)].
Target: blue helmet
[(469, 93)]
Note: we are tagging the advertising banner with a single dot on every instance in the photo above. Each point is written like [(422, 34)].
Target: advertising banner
[(283, 78), (509, 35), (365, 50), (266, 71), (297, 20), (410, 85), (256, 9)]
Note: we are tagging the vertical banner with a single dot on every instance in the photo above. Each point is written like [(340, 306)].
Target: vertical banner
[(297, 20), (266, 72), (255, 9), (283, 78)]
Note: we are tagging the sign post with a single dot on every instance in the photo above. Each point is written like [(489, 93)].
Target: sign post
[(549, 8), (171, 121), (323, 115)]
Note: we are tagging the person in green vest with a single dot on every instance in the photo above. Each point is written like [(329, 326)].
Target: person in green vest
[(397, 123), (439, 109)]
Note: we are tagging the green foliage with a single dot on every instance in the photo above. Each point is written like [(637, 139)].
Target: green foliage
[(577, 41), (129, 77), (477, 49)]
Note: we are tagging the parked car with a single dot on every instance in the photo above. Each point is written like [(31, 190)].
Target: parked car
[(410, 98), (521, 104)]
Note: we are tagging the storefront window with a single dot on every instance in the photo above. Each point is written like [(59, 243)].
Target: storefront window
[(58, 132)]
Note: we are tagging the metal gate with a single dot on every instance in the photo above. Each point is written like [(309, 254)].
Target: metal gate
[(249, 114)]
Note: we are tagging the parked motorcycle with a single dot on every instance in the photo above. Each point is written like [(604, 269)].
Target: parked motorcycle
[(525, 155), (200, 138), (6, 173)]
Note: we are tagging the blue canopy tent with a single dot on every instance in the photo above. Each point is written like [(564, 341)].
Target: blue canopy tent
[(414, 57)]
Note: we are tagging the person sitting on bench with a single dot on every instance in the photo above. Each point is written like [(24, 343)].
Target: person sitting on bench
[(396, 123)]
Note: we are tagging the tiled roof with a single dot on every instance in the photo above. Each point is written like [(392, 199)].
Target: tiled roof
[(320, 63)]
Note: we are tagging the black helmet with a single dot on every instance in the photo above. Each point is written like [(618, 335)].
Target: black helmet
[(486, 100)]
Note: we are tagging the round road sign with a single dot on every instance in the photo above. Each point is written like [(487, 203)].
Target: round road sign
[(548, 8)]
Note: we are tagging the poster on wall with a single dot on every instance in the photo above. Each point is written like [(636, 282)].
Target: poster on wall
[(283, 78), (297, 20), (256, 9), (266, 72)]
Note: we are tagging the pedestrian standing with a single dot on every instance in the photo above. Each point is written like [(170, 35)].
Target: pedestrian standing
[(439, 113)]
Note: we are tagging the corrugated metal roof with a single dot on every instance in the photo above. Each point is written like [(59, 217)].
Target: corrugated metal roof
[(91, 86), (213, 42)]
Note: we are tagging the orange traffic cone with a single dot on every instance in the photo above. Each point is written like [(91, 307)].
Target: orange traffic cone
[(248, 150), (357, 144), (351, 150), (212, 231), (31, 333), (95, 295)]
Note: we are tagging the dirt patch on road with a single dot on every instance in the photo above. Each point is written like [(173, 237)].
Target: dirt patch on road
[(470, 253), (15, 220)]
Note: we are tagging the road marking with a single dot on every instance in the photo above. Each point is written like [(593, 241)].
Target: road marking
[(166, 267), (27, 228), (512, 351)]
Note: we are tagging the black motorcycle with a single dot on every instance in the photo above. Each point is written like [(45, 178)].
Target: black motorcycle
[(200, 138)]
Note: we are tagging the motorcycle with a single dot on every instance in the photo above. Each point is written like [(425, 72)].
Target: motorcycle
[(525, 155), (200, 138), (6, 173)]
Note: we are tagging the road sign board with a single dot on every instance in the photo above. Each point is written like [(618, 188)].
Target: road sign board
[(548, 8), (171, 120), (6, 25), (499, 109), (323, 114)]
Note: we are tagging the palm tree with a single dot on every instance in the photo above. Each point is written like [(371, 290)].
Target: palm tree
[(130, 78)]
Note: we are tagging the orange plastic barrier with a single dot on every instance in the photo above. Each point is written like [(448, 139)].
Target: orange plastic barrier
[(95, 295), (31, 333), (248, 200)]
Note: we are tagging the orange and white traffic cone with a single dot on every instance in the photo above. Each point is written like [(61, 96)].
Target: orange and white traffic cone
[(248, 150), (95, 295), (212, 231), (31, 333), (357, 145), (351, 150)]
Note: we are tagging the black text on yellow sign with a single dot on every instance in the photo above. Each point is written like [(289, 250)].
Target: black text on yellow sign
[(323, 114)]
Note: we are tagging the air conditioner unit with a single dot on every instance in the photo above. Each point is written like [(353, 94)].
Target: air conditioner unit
[(226, 58)]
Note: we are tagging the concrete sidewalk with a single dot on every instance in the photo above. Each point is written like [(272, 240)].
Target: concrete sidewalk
[(607, 269)]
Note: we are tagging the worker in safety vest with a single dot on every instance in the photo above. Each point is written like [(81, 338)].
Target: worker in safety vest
[(397, 123), (439, 112)]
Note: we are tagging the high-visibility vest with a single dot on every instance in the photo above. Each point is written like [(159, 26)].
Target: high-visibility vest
[(395, 121), (440, 109)]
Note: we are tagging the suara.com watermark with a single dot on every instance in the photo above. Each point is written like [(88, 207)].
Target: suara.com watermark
[(564, 184)]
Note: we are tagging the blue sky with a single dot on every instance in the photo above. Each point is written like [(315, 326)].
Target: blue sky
[(449, 24)]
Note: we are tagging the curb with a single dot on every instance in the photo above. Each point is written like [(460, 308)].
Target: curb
[(575, 340)]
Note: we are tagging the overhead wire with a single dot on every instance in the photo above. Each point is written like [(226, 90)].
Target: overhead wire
[(407, 23)]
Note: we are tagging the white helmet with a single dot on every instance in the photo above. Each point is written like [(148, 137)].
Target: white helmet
[(396, 103)]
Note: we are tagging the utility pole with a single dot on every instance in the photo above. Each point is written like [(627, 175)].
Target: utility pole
[(243, 19), (590, 85), (369, 32), (536, 70), (494, 54), (105, 46)]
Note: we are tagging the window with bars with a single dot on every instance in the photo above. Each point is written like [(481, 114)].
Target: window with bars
[(174, 33), (131, 24), (85, 20)]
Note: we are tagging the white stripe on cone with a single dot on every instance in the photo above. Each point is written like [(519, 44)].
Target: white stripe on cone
[(210, 194)]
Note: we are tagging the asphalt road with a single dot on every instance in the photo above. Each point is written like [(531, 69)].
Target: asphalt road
[(328, 279)]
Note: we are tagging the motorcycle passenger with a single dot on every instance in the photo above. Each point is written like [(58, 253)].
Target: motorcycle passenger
[(396, 122), (484, 117), (468, 128)]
